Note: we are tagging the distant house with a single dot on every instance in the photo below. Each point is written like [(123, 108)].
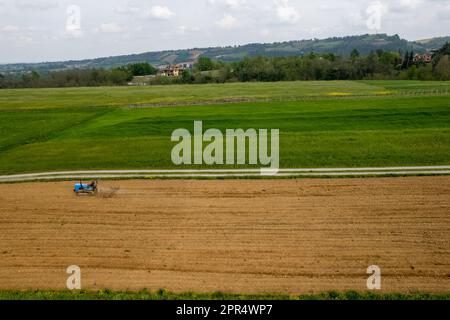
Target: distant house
[(174, 70), (186, 65), (170, 71), (422, 58)]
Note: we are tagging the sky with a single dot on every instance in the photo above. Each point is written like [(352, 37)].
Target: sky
[(51, 30)]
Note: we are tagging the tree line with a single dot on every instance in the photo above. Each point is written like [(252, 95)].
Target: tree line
[(78, 77), (378, 65)]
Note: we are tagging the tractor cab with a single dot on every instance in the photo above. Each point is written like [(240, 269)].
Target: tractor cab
[(86, 188)]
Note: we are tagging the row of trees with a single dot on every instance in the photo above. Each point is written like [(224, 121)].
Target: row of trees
[(78, 77), (377, 65)]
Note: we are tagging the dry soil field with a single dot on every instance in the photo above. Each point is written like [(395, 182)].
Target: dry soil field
[(249, 236)]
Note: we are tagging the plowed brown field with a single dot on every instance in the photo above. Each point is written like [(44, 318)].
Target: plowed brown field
[(248, 236)]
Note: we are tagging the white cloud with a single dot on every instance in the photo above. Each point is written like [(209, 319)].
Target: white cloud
[(235, 4), (227, 22), (232, 4), (285, 12), (404, 5), (36, 4), (444, 14), (264, 20), (127, 9), (25, 39), (265, 32), (161, 12), (184, 29), (356, 19), (9, 28), (109, 28)]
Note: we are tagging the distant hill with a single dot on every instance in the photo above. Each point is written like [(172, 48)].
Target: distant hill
[(337, 45)]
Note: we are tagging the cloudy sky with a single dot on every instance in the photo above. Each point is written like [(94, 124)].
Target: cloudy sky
[(49, 30)]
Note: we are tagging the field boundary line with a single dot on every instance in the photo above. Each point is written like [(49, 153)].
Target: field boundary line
[(238, 100), (223, 173)]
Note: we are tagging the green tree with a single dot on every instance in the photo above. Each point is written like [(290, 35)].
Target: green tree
[(35, 75), (406, 60), (411, 59), (205, 64), (444, 51), (413, 73), (354, 54), (3, 83), (389, 58), (425, 72), (141, 69), (442, 68), (225, 73), (371, 63), (186, 77), (118, 77)]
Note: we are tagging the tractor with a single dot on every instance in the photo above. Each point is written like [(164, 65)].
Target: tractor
[(90, 189)]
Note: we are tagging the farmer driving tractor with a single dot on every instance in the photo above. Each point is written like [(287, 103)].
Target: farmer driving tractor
[(86, 189)]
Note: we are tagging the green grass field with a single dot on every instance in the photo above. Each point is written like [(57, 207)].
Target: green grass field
[(165, 295), (322, 124)]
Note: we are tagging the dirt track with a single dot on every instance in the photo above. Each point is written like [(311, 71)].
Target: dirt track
[(295, 236)]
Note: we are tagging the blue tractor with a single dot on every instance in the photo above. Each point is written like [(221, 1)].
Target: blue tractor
[(90, 189)]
